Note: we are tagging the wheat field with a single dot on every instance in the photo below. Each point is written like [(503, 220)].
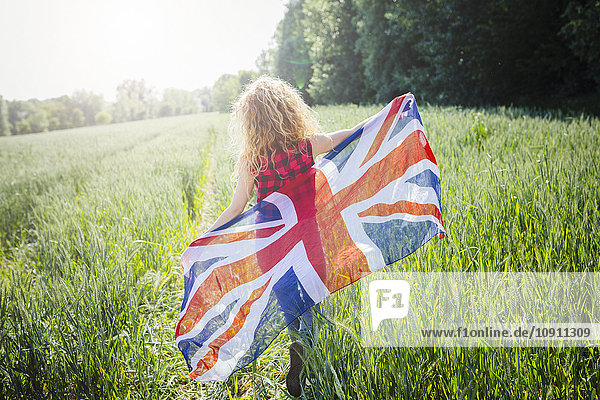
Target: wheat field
[(93, 221)]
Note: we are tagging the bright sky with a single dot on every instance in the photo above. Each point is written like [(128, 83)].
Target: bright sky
[(52, 48)]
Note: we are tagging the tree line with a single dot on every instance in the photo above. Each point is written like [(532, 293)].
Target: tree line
[(446, 51), (536, 52), (135, 100)]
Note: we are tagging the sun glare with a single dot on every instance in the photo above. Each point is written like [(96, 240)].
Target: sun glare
[(96, 45)]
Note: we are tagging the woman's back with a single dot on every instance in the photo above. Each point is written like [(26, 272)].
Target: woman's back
[(282, 168)]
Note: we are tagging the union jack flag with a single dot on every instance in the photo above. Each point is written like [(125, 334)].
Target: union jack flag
[(370, 202)]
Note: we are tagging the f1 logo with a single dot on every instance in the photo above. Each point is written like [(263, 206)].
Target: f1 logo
[(389, 300)]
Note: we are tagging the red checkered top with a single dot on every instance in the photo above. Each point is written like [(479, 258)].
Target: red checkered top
[(284, 167)]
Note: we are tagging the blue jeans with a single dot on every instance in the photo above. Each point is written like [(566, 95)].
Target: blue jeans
[(302, 327)]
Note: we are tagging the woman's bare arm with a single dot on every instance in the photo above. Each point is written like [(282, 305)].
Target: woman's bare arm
[(240, 198), (324, 142)]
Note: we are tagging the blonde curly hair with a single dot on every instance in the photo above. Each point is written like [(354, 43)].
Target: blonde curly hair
[(269, 115)]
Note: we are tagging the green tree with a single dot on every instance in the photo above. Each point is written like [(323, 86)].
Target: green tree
[(177, 102), (458, 51), (18, 112), (165, 109), (204, 99), (246, 76), (135, 100), (22, 127), (291, 60), (89, 103), (62, 113), (582, 30), (77, 118), (58, 112), (103, 118), (55, 112), (330, 30), (265, 62), (227, 88), (387, 54), (224, 92), (4, 124), (37, 121)]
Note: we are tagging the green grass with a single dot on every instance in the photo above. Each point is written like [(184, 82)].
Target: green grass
[(93, 220)]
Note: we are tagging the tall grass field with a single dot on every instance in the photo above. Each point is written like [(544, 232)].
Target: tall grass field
[(93, 221)]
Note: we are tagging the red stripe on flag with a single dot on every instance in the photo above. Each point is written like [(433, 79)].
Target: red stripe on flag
[(227, 277), (385, 171), (397, 102), (222, 280), (402, 206), (210, 359), (413, 149), (235, 237), (345, 262)]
